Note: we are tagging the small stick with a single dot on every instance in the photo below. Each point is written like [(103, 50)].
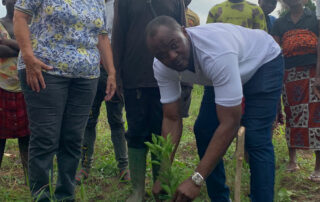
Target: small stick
[(240, 157)]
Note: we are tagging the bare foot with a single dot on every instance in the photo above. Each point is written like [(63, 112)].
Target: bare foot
[(292, 167)]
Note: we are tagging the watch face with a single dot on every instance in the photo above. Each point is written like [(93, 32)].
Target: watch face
[(197, 179)]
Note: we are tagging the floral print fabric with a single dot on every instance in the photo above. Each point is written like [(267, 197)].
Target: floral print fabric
[(8, 69), (64, 35)]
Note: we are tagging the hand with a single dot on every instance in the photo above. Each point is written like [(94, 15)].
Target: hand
[(34, 73), (157, 190), (187, 191), (111, 87), (316, 86)]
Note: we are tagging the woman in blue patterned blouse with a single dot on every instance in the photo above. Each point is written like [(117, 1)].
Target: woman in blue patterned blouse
[(58, 67)]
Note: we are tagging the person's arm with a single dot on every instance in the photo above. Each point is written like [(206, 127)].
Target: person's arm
[(7, 52), (229, 119), (107, 62), (11, 43), (119, 31), (259, 20), (225, 75), (172, 123), (33, 65)]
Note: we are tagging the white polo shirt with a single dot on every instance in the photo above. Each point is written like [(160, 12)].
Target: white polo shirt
[(225, 56)]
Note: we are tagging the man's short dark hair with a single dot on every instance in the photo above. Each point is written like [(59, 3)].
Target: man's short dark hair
[(169, 22)]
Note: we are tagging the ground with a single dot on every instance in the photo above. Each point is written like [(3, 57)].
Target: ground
[(103, 184)]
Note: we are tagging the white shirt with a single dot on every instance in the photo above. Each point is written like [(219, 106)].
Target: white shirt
[(226, 56)]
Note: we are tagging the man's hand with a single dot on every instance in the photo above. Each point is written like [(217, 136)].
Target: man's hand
[(34, 73), (187, 191), (111, 87)]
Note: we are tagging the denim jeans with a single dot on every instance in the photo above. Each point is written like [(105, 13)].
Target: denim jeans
[(262, 93), (114, 109), (57, 115)]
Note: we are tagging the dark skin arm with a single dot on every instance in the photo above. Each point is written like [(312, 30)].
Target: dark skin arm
[(7, 52), (11, 43), (171, 124), (229, 118)]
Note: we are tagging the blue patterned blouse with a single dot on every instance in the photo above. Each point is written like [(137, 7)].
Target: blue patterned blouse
[(64, 35)]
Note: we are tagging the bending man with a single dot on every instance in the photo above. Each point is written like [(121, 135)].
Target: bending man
[(220, 55)]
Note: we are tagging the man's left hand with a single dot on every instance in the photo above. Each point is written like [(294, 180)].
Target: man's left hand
[(187, 191)]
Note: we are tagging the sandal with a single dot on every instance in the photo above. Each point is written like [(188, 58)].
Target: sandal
[(314, 178), (82, 175), (124, 176)]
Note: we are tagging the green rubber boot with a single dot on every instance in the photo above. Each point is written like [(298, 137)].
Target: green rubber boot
[(137, 166)]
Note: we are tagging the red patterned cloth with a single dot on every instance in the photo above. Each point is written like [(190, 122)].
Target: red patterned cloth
[(302, 108), (13, 115)]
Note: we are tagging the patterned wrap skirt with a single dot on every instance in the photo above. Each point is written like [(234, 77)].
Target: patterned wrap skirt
[(302, 108), (13, 115)]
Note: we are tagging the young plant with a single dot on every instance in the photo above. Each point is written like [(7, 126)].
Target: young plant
[(169, 175)]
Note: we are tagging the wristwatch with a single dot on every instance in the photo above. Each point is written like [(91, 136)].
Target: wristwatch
[(197, 179)]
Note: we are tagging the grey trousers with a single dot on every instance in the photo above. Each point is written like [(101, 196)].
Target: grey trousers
[(58, 115)]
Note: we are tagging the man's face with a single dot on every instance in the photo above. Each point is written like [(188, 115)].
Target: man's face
[(268, 5), (172, 48)]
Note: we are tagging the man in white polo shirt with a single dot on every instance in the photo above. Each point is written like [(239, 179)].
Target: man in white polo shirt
[(237, 62)]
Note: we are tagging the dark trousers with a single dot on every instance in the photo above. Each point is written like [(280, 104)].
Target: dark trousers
[(144, 115), (114, 109), (57, 115), (262, 93)]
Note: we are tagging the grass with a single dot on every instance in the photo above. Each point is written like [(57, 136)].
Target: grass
[(103, 184)]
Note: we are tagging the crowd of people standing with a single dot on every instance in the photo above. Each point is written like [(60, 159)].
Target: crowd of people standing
[(60, 60)]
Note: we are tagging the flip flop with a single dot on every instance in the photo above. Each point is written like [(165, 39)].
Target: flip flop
[(314, 178), (81, 176)]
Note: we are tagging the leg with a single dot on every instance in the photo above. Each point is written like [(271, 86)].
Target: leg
[(155, 121), (292, 165), (185, 99), (90, 134), (262, 93), (79, 102), (2, 147), (45, 111), (136, 104), (114, 113), (315, 176), (204, 128), (317, 166), (23, 148)]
